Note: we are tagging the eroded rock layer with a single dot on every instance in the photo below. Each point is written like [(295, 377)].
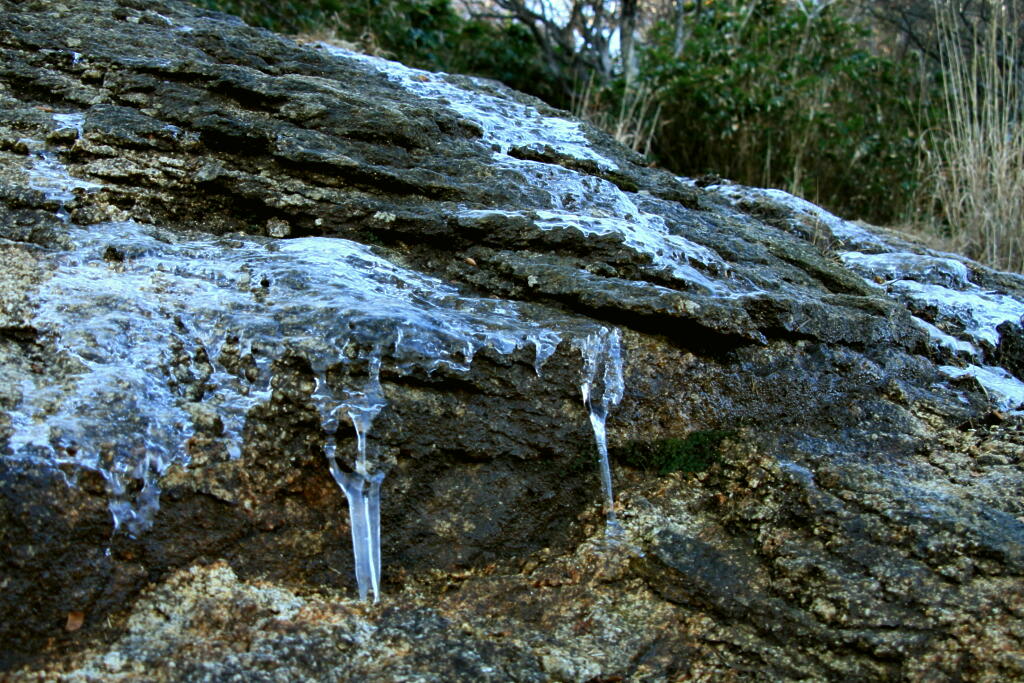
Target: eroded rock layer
[(211, 236)]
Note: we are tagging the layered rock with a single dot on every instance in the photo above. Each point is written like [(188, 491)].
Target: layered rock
[(211, 234)]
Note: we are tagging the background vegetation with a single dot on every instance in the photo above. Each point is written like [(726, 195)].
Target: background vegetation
[(896, 111)]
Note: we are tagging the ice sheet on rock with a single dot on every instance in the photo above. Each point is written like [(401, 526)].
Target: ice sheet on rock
[(973, 312), (505, 123), (1005, 390), (648, 235), (574, 200), (849, 233), (939, 288), (74, 120), (902, 265), (594, 206), (948, 341), (48, 175), (147, 328)]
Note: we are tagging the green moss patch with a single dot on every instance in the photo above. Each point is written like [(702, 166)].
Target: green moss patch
[(695, 453)]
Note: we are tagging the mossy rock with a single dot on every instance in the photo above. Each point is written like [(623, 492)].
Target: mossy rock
[(695, 453)]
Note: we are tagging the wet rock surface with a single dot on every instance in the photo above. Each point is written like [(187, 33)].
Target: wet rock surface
[(863, 519)]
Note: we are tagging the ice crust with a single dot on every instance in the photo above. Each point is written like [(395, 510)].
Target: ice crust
[(1005, 390), (941, 288), (571, 200), (505, 123), (145, 329), (594, 207), (957, 347), (848, 233), (960, 317), (154, 323), (902, 265), (161, 328), (48, 175), (160, 317)]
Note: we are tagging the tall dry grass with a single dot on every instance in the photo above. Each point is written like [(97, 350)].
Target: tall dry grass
[(633, 119), (975, 157)]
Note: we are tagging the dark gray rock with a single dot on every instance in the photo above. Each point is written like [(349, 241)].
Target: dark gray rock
[(863, 521)]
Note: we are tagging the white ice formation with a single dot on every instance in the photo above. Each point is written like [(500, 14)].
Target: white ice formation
[(587, 204), (155, 321), (602, 387), (505, 123), (162, 329), (959, 316)]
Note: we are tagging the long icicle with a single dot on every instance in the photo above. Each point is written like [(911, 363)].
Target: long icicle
[(602, 362), (361, 487)]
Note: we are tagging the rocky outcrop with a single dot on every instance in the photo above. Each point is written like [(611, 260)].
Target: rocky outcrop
[(211, 236)]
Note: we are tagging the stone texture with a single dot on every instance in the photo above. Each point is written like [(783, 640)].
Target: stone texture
[(864, 520)]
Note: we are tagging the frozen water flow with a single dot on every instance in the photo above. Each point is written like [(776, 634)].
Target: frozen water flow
[(361, 487), (159, 325), (595, 207), (941, 288), (545, 344), (957, 346), (647, 234), (505, 123), (849, 233), (964, 317), (74, 120), (574, 200), (973, 312), (363, 406), (900, 265), (1005, 390), (168, 334), (602, 387), (48, 175)]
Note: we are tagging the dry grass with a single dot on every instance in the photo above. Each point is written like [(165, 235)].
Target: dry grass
[(633, 122), (975, 162)]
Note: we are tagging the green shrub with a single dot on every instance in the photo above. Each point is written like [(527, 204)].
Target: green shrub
[(283, 16), (771, 94), (427, 34)]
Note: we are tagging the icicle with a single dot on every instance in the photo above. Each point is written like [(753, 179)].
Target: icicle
[(136, 514), (544, 343), (362, 487), (147, 502), (602, 387), (363, 406), (118, 504), (363, 494)]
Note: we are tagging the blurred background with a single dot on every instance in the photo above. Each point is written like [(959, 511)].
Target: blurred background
[(903, 113)]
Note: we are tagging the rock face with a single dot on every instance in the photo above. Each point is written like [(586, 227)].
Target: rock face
[(212, 237)]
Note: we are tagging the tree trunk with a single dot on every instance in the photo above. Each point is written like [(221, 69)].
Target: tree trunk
[(627, 29), (679, 39)]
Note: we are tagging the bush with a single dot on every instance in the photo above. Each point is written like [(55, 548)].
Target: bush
[(780, 94), (427, 34)]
